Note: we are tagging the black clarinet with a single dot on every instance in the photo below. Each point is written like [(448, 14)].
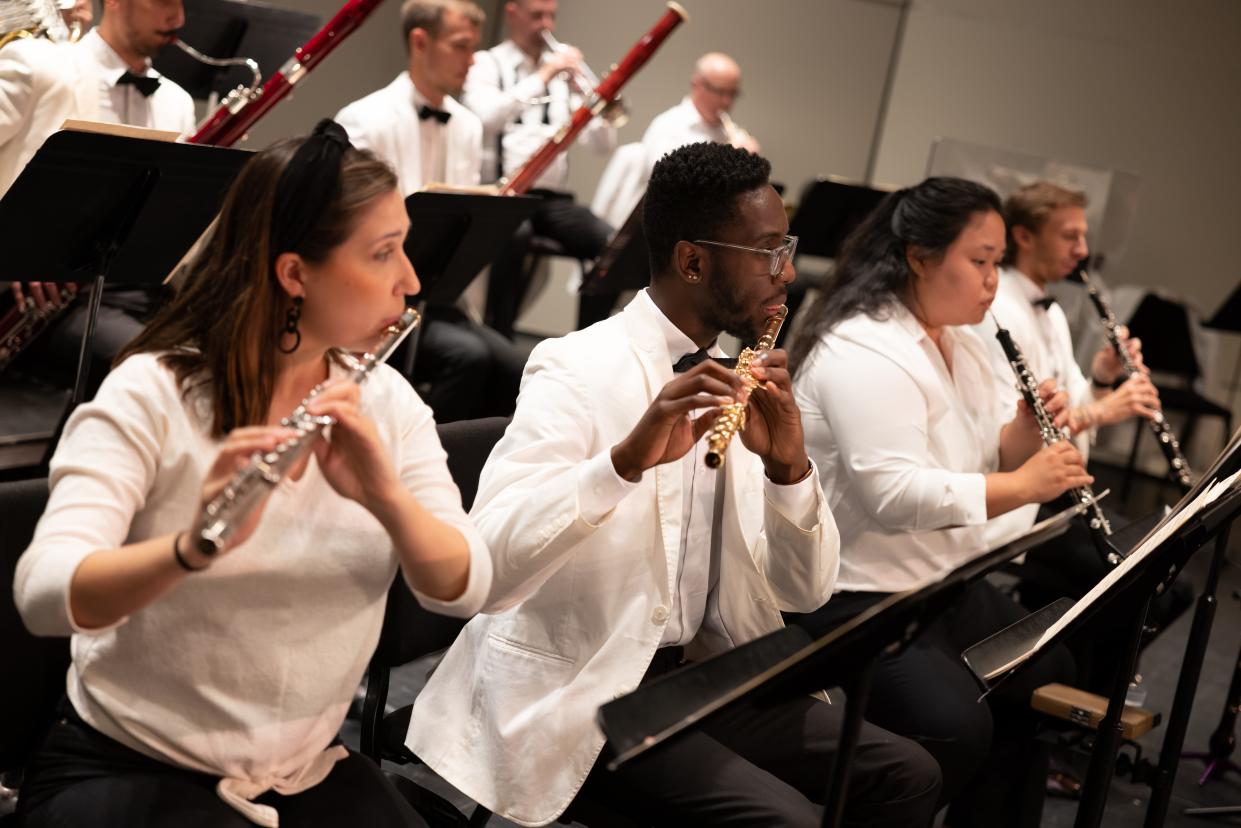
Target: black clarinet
[(1178, 466), (1100, 527)]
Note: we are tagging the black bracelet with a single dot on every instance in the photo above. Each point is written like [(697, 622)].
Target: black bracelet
[(182, 562)]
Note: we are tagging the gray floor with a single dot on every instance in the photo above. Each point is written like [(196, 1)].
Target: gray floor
[(1160, 665)]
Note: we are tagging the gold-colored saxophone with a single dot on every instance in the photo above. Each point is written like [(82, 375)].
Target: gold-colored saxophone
[(731, 418)]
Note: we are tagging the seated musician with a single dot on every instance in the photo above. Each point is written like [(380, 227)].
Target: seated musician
[(107, 76), (703, 114), (611, 569), (1046, 239), (524, 93), (208, 689), (416, 126), (925, 466)]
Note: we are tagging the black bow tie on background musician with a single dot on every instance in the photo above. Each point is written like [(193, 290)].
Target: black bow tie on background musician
[(146, 86), (690, 360), (440, 115), (1044, 303)]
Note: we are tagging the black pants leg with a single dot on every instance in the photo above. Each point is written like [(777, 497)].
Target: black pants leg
[(770, 766), (472, 371), (993, 768), (83, 779), (580, 232)]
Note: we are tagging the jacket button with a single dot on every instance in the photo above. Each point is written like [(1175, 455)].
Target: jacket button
[(660, 615)]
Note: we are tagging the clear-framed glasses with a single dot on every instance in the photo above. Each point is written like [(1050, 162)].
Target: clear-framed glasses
[(779, 256), (734, 93)]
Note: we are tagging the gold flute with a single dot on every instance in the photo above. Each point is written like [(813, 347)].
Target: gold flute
[(732, 418)]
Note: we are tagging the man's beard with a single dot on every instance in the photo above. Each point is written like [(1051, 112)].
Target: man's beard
[(725, 311)]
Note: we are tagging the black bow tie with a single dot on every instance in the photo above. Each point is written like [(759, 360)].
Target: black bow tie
[(440, 115), (146, 86), (690, 360), (1044, 303)]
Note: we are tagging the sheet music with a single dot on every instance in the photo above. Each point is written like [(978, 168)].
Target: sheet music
[(1208, 495)]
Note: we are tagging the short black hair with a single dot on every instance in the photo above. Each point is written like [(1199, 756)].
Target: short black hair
[(693, 193)]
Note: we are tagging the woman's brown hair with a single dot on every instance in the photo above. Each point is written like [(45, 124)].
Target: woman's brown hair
[(221, 332)]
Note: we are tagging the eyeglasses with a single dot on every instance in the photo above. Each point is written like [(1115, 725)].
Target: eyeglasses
[(779, 256), (733, 93)]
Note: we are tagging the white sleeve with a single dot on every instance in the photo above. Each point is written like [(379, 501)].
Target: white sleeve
[(493, 105), (423, 469), (101, 474), (17, 95), (878, 419)]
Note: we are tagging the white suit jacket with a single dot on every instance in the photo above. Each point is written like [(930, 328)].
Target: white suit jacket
[(386, 123), (579, 609), (42, 84)]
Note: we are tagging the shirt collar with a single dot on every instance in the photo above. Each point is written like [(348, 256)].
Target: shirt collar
[(678, 343), (111, 65), (1027, 287), (512, 55)]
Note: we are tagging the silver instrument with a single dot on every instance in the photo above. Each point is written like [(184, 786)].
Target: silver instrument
[(735, 134), (230, 509), (587, 82), (1027, 384), (242, 94)]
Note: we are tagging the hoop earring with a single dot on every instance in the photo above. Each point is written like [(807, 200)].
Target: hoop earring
[(290, 326)]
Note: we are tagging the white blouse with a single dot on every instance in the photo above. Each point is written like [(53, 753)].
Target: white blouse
[(903, 445), (245, 670)]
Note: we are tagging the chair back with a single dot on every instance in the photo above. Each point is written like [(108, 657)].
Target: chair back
[(409, 631), (1167, 340), (34, 674)]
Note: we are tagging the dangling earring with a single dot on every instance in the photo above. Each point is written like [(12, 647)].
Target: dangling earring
[(290, 326)]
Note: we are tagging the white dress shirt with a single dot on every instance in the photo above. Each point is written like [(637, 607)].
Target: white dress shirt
[(601, 489), (500, 89), (384, 120), (903, 445), (1044, 338), (43, 84), (582, 600), (682, 124), (245, 670)]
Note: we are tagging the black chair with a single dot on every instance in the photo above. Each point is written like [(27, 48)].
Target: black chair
[(35, 667), (411, 632), (1167, 348)]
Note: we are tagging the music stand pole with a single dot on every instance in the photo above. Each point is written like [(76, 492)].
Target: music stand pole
[(857, 694)]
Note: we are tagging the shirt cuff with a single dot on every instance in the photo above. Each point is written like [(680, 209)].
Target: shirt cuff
[(477, 585), (967, 494), (797, 502), (600, 489), (531, 86)]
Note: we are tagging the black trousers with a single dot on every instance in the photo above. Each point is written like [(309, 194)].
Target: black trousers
[(994, 770), (770, 766), (83, 779), (580, 232), (53, 356), (470, 369)]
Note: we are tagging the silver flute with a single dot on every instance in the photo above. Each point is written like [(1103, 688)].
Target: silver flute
[(230, 509), (1178, 466), (1100, 527)]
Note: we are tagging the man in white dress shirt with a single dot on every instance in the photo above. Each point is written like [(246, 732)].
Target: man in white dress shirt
[(415, 125), (107, 76), (524, 93), (703, 113), (617, 553)]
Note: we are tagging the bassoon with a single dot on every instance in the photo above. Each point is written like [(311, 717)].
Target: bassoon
[(234, 118), (603, 96)]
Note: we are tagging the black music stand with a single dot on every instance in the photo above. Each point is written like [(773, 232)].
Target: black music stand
[(228, 28), (829, 210), (625, 263), (1145, 572), (452, 237), (788, 663), (136, 206), (1228, 318)]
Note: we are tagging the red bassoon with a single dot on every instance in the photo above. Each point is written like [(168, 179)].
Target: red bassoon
[(235, 117), (603, 95)]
